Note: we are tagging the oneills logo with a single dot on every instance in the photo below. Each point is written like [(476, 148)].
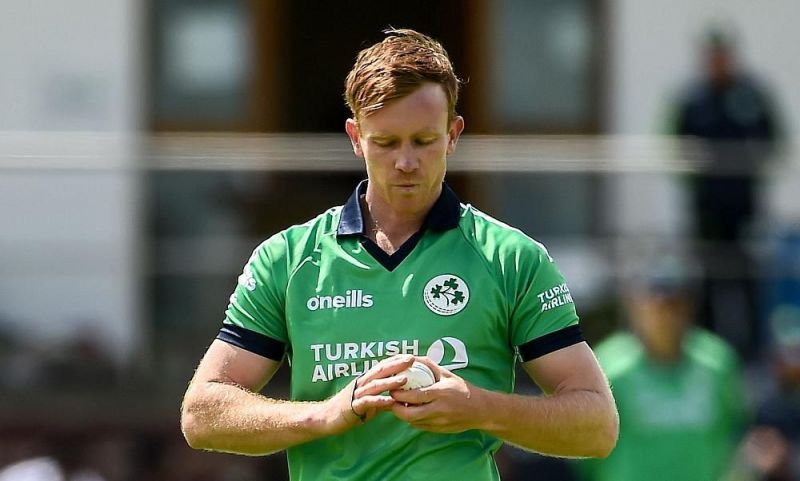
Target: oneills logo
[(352, 299)]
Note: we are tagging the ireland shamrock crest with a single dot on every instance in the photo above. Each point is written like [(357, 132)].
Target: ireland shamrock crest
[(446, 294)]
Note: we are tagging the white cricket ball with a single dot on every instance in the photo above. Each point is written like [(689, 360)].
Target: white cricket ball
[(417, 376)]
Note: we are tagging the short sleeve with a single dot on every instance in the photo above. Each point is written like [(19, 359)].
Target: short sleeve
[(255, 317), (543, 316), (736, 409)]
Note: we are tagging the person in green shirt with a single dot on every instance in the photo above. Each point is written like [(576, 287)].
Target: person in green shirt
[(678, 388), (402, 272)]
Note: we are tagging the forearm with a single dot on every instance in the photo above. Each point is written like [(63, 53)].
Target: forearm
[(577, 423), (229, 418)]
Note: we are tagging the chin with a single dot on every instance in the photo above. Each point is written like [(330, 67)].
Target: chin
[(411, 201)]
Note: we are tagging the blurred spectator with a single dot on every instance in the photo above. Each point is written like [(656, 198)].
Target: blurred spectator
[(771, 451), (733, 114), (53, 461), (677, 389), (80, 361)]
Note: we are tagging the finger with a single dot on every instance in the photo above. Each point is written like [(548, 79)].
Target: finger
[(446, 374), (412, 396), (439, 372), (367, 403), (380, 385), (410, 413), (388, 367)]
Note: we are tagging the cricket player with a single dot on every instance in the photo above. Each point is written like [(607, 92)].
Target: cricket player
[(402, 271)]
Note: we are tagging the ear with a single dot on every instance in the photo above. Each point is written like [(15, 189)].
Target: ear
[(453, 133), (351, 127)]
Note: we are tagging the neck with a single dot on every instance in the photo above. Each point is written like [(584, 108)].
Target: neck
[(664, 353), (664, 357), (383, 221), (380, 218)]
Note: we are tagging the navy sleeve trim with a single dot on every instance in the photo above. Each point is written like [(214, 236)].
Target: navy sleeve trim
[(252, 341), (551, 342)]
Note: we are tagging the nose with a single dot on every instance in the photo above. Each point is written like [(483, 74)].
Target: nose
[(406, 161)]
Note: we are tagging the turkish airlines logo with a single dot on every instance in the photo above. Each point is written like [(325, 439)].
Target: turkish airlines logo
[(449, 353), (346, 359), (446, 294)]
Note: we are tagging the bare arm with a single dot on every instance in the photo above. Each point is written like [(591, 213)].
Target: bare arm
[(577, 416), (222, 410)]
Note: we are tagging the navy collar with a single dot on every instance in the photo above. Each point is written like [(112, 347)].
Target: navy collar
[(444, 215)]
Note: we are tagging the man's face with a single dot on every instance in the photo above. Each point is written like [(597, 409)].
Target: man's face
[(405, 146), (719, 65), (661, 321)]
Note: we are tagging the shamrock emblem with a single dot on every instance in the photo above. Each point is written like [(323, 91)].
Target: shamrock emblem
[(448, 289), (446, 294)]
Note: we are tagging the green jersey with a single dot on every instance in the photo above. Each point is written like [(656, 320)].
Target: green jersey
[(677, 422), (469, 292)]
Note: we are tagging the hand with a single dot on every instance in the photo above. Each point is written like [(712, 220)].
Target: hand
[(766, 449), (448, 406), (362, 399)]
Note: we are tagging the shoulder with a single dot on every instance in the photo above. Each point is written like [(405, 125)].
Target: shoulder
[(297, 241), (750, 83), (694, 92), (495, 238), (710, 350), (619, 354), (323, 224)]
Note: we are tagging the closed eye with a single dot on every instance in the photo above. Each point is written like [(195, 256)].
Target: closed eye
[(384, 143)]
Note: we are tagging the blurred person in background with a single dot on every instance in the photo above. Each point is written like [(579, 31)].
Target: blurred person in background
[(59, 458), (677, 386), (355, 296), (771, 450), (728, 110)]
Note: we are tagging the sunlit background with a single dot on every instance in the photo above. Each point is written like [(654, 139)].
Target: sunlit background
[(146, 147)]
